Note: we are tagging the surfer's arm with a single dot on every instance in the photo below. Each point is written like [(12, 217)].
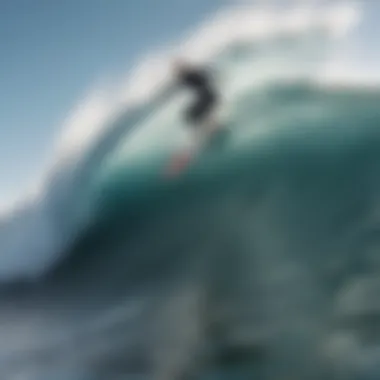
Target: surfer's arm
[(169, 89), (162, 96)]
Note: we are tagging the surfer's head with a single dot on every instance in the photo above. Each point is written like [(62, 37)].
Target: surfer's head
[(180, 66)]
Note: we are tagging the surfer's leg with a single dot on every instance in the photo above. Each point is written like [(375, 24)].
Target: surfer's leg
[(211, 123), (201, 117), (201, 110)]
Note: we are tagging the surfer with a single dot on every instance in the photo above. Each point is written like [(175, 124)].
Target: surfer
[(200, 115)]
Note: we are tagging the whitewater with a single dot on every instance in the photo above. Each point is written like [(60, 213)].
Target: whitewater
[(261, 261)]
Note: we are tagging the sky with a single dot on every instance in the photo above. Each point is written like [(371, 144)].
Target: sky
[(54, 52)]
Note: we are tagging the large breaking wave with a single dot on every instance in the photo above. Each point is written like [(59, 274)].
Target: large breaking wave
[(260, 261), (247, 47)]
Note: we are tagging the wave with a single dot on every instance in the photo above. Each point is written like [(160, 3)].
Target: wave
[(39, 229), (263, 257), (275, 244)]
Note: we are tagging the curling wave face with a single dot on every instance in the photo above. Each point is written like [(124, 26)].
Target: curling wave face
[(261, 261)]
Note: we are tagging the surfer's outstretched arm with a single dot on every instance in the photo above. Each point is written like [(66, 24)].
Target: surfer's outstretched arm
[(164, 94)]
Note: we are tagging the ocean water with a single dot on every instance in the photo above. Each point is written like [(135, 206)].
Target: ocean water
[(261, 261)]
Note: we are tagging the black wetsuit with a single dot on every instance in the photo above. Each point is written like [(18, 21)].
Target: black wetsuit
[(206, 98)]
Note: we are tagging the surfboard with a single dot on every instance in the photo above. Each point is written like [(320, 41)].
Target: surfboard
[(181, 160)]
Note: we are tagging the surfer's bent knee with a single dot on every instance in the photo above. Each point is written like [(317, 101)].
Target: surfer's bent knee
[(200, 111)]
